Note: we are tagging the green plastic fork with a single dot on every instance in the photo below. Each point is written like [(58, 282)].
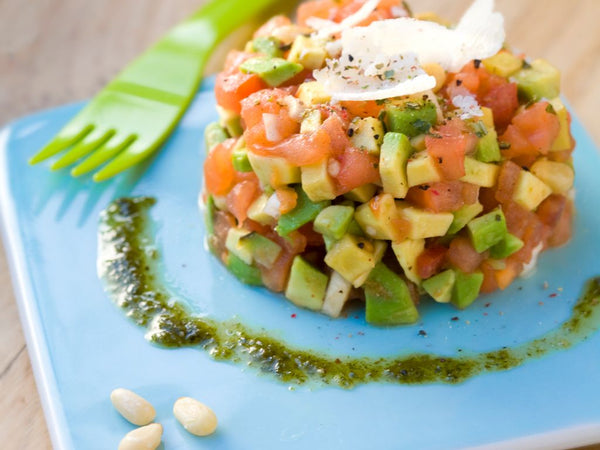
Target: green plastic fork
[(136, 112)]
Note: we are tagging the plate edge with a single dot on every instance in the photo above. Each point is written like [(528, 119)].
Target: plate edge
[(28, 315)]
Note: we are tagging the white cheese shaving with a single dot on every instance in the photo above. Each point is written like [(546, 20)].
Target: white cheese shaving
[(402, 45), (373, 76), (328, 28), (468, 106), (271, 128)]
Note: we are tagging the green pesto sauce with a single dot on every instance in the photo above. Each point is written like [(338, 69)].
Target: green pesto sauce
[(126, 264)]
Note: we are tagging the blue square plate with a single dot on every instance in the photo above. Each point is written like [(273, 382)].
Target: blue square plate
[(82, 346)]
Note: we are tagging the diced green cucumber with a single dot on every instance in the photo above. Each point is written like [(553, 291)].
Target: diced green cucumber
[(538, 80), (412, 118), (487, 230), (463, 216), (306, 286), (246, 273), (268, 45), (209, 217), (334, 221), (395, 151), (239, 158), (440, 286), (488, 149), (506, 247), (388, 299), (304, 212), (214, 134), (466, 288), (274, 71)]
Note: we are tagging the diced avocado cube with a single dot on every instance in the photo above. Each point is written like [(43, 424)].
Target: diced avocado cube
[(395, 151), (563, 140), (308, 53), (379, 248), (264, 251), (267, 45), (312, 93), (352, 257), (503, 63), (530, 191), (362, 193), (306, 286), (487, 230), (488, 148), (355, 229), (257, 211), (506, 247), (334, 221), (214, 134), (538, 80), (317, 183), (440, 286), (235, 245), (463, 216), (466, 288), (305, 211), (380, 219), (311, 121), (558, 176), (231, 121), (336, 296), (407, 253), (426, 224), (480, 173), (411, 118), (246, 273), (388, 299), (239, 158), (274, 71), (421, 169), (209, 217), (366, 134), (273, 171)]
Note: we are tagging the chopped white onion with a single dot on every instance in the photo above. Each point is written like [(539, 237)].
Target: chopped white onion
[(273, 206), (529, 268), (271, 127)]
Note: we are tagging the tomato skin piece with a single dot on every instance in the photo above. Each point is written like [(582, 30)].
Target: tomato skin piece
[(503, 100), (367, 108), (448, 147), (507, 180), (462, 254), (231, 89), (241, 197), (271, 25), (531, 132), (219, 174), (356, 167), (437, 197), (489, 284), (430, 261)]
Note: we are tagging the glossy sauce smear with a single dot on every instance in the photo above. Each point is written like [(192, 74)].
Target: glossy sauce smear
[(127, 260)]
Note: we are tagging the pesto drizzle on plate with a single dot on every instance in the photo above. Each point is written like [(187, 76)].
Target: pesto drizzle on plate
[(126, 263)]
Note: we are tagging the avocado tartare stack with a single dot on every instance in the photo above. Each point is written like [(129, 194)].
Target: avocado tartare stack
[(363, 153)]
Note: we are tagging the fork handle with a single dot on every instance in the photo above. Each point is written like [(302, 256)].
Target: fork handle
[(171, 70)]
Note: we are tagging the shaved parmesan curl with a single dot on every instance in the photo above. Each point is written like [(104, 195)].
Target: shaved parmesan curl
[(384, 59)]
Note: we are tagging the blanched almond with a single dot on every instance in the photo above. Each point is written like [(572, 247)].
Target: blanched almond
[(196, 417), (143, 438), (134, 408)]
